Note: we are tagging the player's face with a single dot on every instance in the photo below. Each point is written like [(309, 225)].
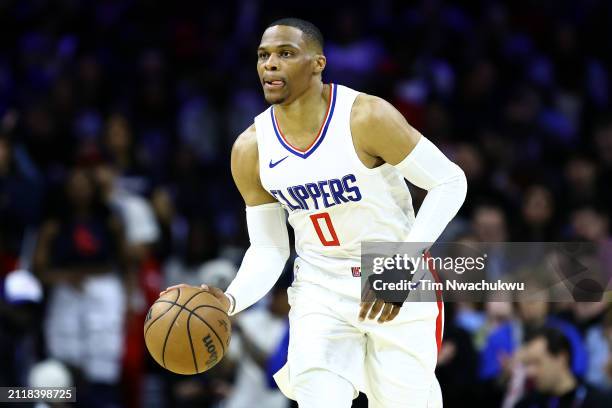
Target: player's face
[(285, 64)]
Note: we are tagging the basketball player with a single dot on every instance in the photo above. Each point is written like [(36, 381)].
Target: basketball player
[(335, 160)]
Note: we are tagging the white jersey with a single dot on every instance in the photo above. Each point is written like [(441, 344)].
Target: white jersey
[(334, 201)]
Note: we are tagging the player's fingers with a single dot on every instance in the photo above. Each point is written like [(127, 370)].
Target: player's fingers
[(169, 288), (215, 291), (368, 296), (363, 310), (394, 312), (366, 302), (376, 308), (386, 312)]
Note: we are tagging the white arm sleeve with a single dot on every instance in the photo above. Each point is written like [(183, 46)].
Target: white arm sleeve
[(265, 259), (428, 168)]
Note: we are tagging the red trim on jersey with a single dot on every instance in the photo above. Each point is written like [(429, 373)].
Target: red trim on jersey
[(439, 325), (439, 319), (331, 86)]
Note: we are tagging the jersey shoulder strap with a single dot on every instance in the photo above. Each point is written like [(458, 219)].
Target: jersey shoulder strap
[(262, 129), (341, 122), (344, 105)]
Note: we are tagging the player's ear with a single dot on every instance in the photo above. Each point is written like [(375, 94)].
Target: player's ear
[(319, 63)]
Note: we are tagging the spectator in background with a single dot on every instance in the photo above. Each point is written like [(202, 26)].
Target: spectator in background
[(457, 362), (142, 286), (591, 223), (168, 220), (497, 314), (471, 160), (489, 223), (603, 144), (498, 360), (582, 177), (21, 193), (21, 298), (137, 217), (352, 57), (490, 227), (547, 356), (599, 344), (198, 128), (80, 257), (199, 258), (20, 292), (538, 215), (122, 152)]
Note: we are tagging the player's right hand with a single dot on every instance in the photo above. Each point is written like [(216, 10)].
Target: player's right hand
[(371, 307), (216, 292)]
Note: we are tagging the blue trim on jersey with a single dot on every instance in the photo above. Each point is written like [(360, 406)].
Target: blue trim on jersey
[(311, 150)]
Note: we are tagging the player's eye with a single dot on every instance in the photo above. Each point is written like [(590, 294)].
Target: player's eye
[(262, 55), (286, 54)]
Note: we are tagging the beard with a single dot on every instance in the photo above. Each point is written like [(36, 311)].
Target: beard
[(275, 98)]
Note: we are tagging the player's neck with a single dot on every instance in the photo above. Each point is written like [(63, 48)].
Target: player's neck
[(306, 110)]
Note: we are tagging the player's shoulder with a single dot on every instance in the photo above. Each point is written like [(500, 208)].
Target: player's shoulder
[(244, 150), (246, 139), (368, 110), (370, 115), (246, 143)]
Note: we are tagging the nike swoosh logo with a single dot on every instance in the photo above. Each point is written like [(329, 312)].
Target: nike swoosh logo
[(272, 165)]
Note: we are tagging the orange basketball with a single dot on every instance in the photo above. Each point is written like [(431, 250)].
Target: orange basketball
[(187, 331)]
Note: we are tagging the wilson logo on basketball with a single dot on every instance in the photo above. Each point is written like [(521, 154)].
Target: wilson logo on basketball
[(212, 351), (223, 324)]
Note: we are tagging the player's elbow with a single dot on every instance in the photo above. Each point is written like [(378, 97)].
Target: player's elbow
[(457, 186), (454, 185), (461, 185)]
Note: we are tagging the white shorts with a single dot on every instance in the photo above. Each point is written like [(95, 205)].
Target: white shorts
[(393, 363)]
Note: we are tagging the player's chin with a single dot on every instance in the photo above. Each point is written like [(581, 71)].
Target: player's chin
[(275, 97)]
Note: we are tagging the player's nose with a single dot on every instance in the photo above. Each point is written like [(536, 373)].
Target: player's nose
[(272, 62)]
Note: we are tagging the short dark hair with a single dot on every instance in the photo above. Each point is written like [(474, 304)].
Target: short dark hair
[(556, 342), (310, 30)]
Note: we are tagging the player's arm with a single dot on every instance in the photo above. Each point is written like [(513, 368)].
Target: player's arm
[(265, 258), (382, 134)]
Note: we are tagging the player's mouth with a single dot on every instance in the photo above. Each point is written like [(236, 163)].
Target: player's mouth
[(273, 84)]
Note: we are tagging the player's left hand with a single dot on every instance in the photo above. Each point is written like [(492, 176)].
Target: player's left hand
[(216, 292), (371, 307)]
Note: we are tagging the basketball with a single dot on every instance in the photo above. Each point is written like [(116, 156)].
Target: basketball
[(187, 331)]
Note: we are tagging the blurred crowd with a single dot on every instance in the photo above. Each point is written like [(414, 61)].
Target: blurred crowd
[(116, 122)]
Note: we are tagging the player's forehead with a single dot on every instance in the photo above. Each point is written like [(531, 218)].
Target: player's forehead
[(282, 36)]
